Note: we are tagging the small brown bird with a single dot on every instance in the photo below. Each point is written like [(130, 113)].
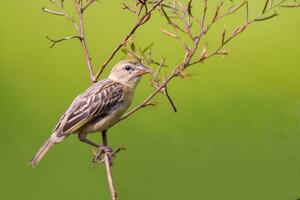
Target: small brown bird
[(98, 108)]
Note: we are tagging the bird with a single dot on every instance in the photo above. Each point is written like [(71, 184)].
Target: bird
[(98, 108)]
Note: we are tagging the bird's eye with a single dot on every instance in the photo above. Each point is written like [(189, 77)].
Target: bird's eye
[(128, 68)]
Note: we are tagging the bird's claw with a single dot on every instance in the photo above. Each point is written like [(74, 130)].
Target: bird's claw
[(100, 156), (106, 149), (97, 155)]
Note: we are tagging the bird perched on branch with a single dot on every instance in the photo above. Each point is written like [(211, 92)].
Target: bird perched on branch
[(98, 108)]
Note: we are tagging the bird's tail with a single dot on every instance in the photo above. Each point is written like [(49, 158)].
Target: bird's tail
[(41, 152)]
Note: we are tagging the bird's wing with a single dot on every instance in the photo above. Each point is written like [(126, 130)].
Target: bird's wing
[(95, 102)]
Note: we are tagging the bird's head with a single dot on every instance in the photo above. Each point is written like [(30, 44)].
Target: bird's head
[(128, 72)]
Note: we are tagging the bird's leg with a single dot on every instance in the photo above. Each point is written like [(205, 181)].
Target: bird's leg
[(83, 138), (111, 154), (104, 141), (103, 148)]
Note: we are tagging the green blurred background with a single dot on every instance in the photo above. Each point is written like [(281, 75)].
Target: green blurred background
[(235, 137)]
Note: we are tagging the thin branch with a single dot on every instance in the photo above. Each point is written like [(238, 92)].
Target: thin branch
[(60, 5), (232, 11), (126, 6), (54, 42), (266, 6), (142, 20), (170, 100), (159, 67), (296, 5), (148, 99), (217, 11), (272, 7), (46, 10), (175, 26), (107, 163), (247, 12), (83, 41), (266, 18), (190, 7), (204, 14), (87, 5)]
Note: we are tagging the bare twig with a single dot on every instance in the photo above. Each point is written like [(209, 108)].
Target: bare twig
[(62, 12), (265, 18), (231, 11), (126, 6), (170, 100), (217, 11), (204, 14), (190, 7), (87, 5), (295, 5), (159, 68), (53, 12), (142, 20), (148, 99), (88, 59), (266, 6), (54, 42), (107, 163)]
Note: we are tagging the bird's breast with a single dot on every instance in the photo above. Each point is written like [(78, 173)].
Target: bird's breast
[(106, 121)]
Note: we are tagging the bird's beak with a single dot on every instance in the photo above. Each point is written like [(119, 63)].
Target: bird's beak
[(141, 70)]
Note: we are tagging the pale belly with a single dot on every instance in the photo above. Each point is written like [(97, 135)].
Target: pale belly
[(106, 122)]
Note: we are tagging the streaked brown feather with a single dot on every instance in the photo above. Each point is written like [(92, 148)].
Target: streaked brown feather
[(97, 101)]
